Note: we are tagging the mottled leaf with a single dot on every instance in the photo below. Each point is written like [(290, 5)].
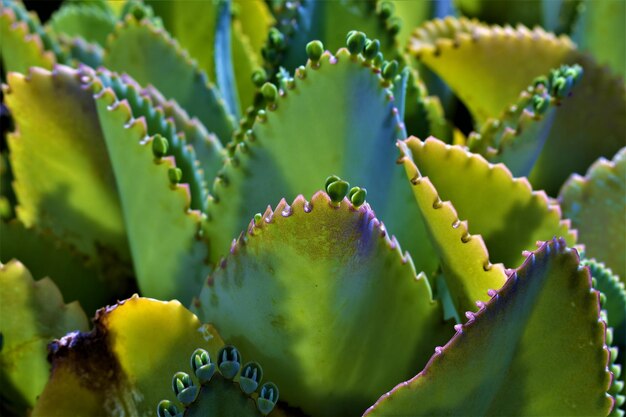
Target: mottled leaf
[(33, 313), (536, 348), (305, 285), (125, 364), (596, 204)]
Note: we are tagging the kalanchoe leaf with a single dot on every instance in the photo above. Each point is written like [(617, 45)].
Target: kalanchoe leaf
[(298, 22), (64, 179), (202, 366), (521, 217), (87, 21), (600, 30), (251, 376), (517, 137), (183, 387), (341, 260), (151, 56), (498, 70), (33, 313), (256, 19), (464, 258), (82, 52), (77, 277), (268, 398), (359, 147), (247, 63), (494, 357), (113, 368), (21, 49), (229, 361), (596, 205), (165, 268)]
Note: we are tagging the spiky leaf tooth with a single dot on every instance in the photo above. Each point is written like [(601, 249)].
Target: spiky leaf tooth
[(124, 365), (256, 20), (77, 277), (298, 22), (33, 313), (298, 140), (207, 147), (519, 218), (170, 267), (63, 176), (615, 304), (21, 49), (340, 262), (497, 63), (467, 271), (209, 388), (518, 135), (87, 21), (600, 30), (595, 204), (173, 144), (151, 56), (506, 353)]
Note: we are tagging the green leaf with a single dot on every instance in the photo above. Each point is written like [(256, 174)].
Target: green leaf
[(487, 67), (505, 360), (63, 176), (299, 140), (256, 20), (124, 365), (247, 62), (89, 22), (33, 313), (412, 14), (600, 30), (151, 56), (595, 204), (517, 137), (20, 48), (224, 70), (77, 277), (82, 52), (504, 210), (170, 267), (207, 147), (299, 22), (464, 258), (341, 260)]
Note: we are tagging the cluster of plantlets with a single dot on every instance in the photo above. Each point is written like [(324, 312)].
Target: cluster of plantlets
[(141, 142)]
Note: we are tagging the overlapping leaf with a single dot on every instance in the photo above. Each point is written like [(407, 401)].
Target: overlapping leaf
[(125, 364), (305, 285), (33, 313), (504, 360)]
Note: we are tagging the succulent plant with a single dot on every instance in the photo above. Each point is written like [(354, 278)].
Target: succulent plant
[(231, 164)]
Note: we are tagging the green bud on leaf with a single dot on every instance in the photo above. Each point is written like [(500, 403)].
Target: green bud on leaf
[(202, 366), (268, 397), (330, 180), (386, 9), (372, 48), (540, 104), (338, 190), (167, 409), (229, 361), (270, 92), (259, 77), (357, 196), (314, 50), (250, 378), (183, 387), (356, 42), (160, 146), (390, 69), (175, 175)]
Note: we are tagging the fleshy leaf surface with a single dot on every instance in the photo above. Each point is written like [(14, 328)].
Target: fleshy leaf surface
[(296, 142), (125, 364), (305, 285), (503, 361), (149, 55), (87, 21), (63, 175), (464, 258), (33, 313), (596, 204), (74, 274), (487, 67), (170, 267), (504, 210), (21, 49)]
